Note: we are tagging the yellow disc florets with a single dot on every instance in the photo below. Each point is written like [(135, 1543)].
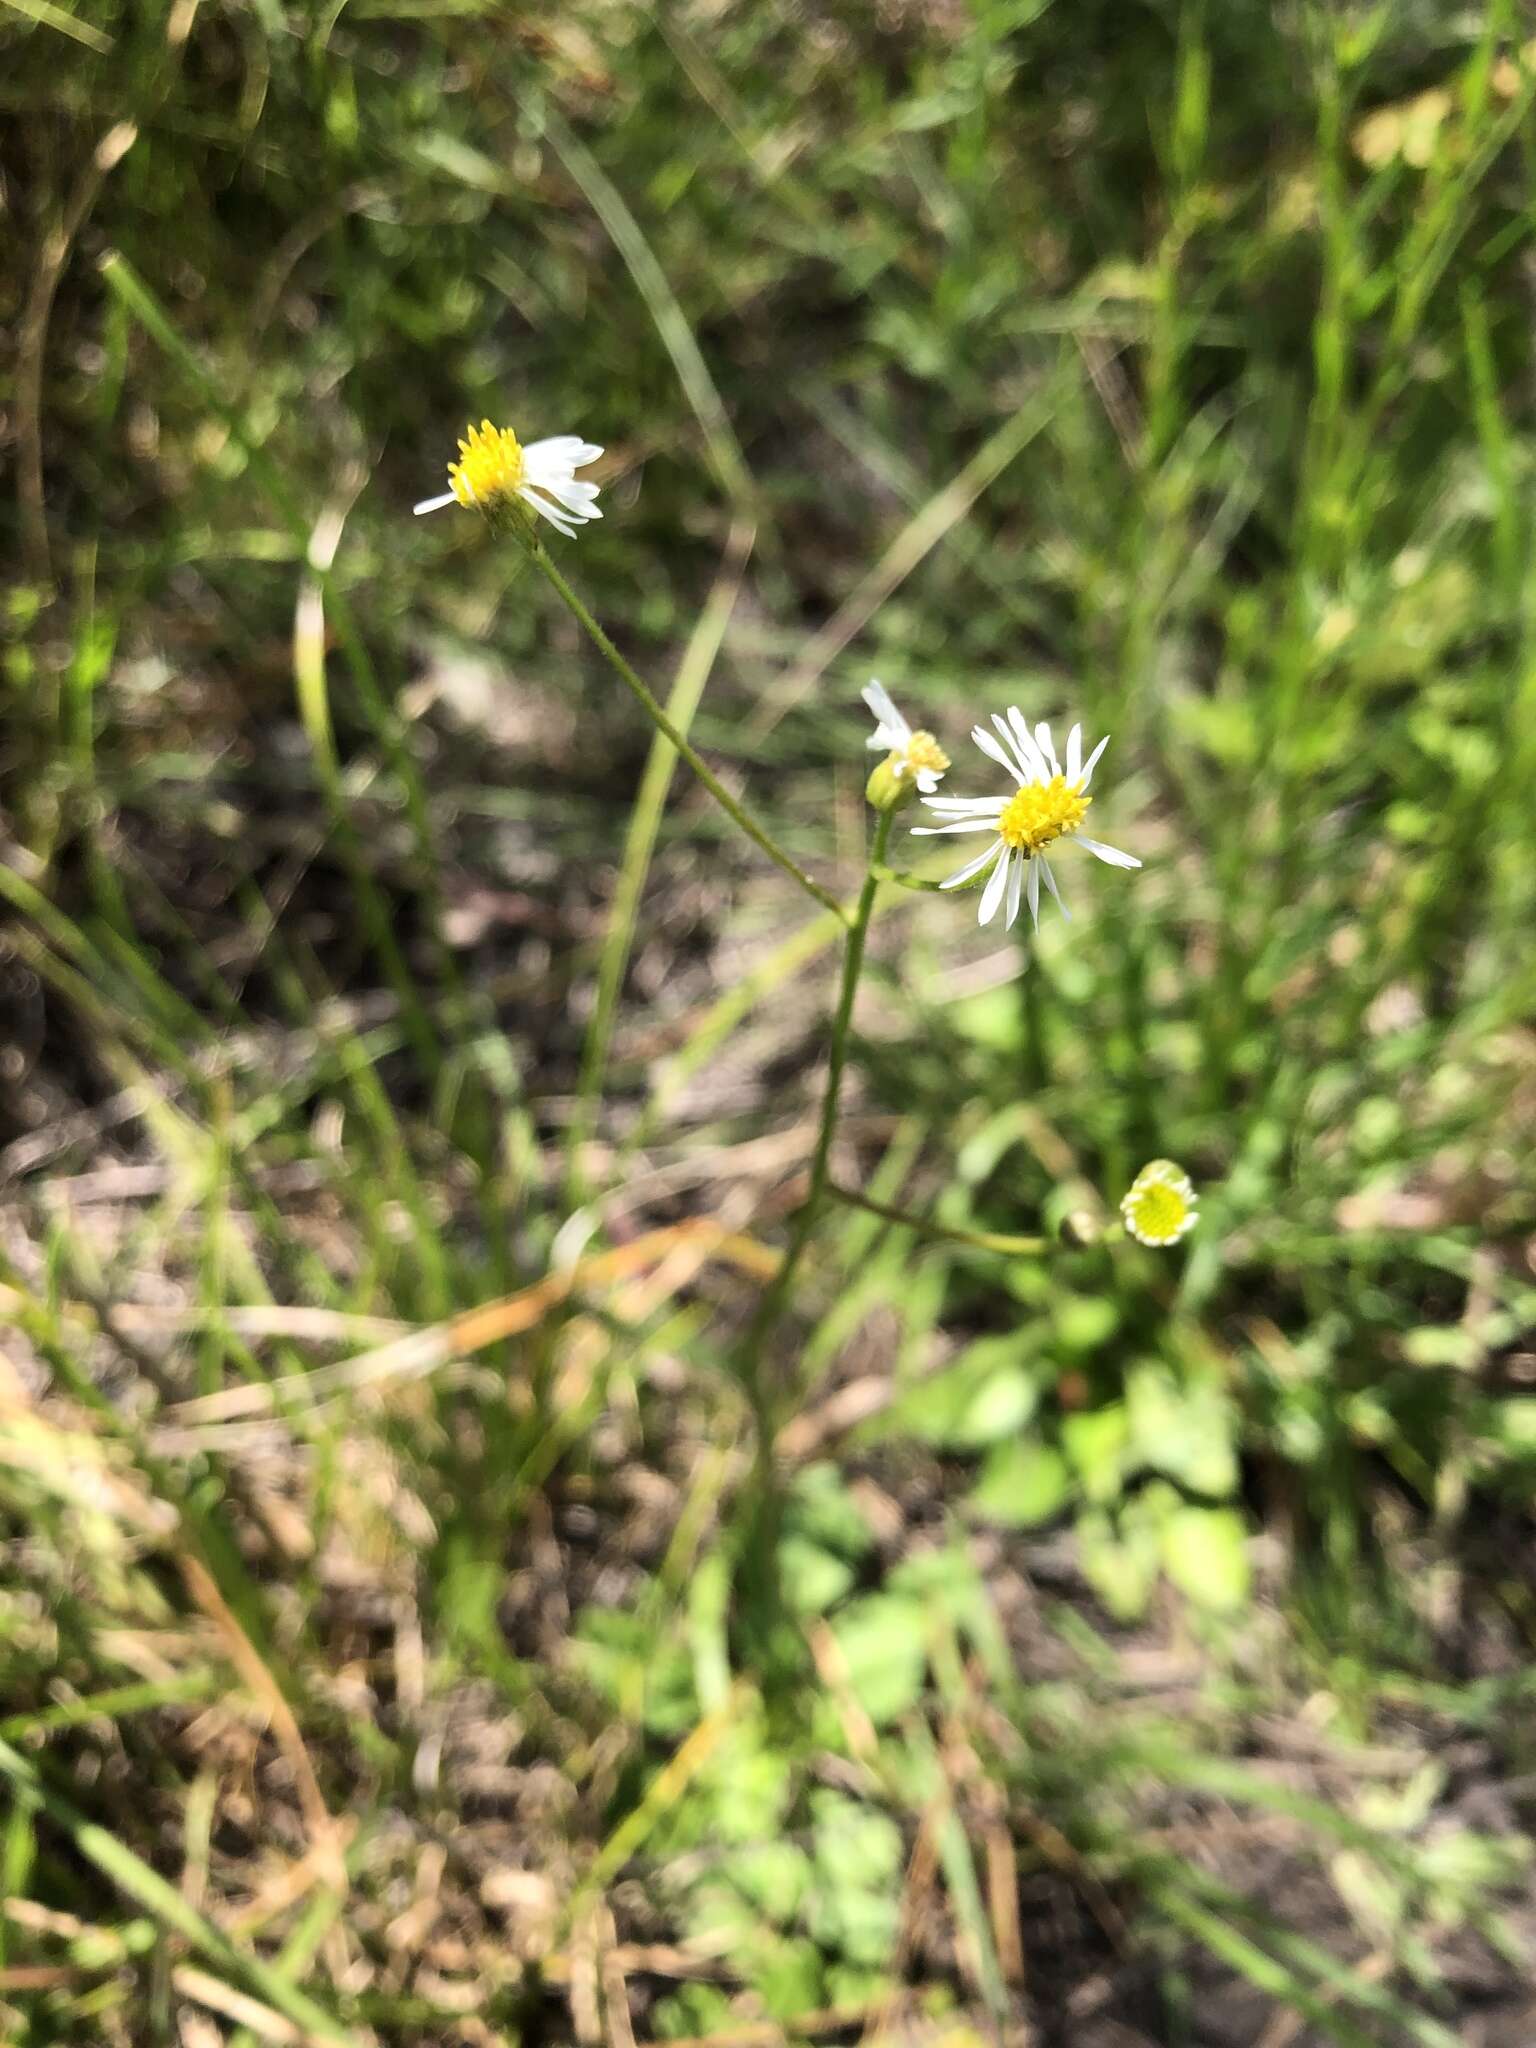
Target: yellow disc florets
[(1160, 1206), (1040, 812), (489, 469), (922, 754)]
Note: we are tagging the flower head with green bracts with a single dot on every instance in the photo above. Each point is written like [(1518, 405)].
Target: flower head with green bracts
[(914, 761), (494, 468), (1048, 802), (1160, 1205)]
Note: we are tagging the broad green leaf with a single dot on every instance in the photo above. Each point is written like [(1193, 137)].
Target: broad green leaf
[(1205, 1553), (821, 1508), (884, 1647), (1096, 1443), (1182, 1428), (1021, 1485), (1000, 1407), (1120, 1563), (773, 1875), (812, 1579), (855, 1846), (1084, 1322)]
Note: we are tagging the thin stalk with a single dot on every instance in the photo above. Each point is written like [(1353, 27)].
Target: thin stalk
[(979, 1240), (777, 1294), (762, 1595), (658, 717), (639, 844)]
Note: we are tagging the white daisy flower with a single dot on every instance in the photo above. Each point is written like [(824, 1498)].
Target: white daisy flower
[(1047, 803), (1161, 1205), (913, 760), (917, 755), (494, 467)]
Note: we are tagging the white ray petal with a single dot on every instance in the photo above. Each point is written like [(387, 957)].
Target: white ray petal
[(1050, 883), (564, 451), (563, 522), (1015, 886), (434, 504), (1109, 854), (995, 751), (972, 868), (992, 895), (1029, 750), (968, 806), (1044, 742), (1074, 753), (891, 729), (580, 500), (1021, 764), (1035, 865), (1092, 762), (959, 825)]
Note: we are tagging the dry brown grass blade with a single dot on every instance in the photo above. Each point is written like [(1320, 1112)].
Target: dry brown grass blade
[(327, 1835), (285, 1887), (42, 1977), (586, 2008), (422, 1351), (621, 2028), (230, 2004), (308, 1325), (832, 1670), (916, 1891), (1003, 1902), (809, 2026)]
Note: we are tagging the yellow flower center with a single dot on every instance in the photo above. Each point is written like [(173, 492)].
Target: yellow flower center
[(1160, 1205), (921, 752), (1157, 1211), (490, 467), (1041, 812)]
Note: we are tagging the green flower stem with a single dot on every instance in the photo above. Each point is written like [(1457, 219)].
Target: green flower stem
[(979, 1240), (639, 843), (658, 717), (772, 1303), (903, 878)]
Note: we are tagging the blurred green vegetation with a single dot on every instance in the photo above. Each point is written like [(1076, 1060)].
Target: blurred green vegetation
[(1166, 366)]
